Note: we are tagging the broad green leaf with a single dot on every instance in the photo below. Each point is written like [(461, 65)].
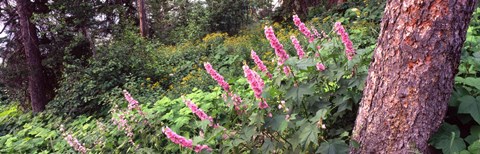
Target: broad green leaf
[(474, 135), (470, 81), (470, 105), (277, 123), (303, 64), (268, 146), (335, 146), (447, 138), (475, 147), (197, 139), (322, 113), (248, 132), (297, 93), (309, 134), (256, 118)]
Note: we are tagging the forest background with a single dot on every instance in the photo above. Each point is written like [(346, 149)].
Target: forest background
[(91, 51)]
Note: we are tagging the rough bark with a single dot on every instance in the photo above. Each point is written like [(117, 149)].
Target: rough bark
[(36, 76), (142, 17), (411, 76)]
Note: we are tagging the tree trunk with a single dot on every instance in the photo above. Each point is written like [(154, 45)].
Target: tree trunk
[(36, 76), (411, 75), (142, 17)]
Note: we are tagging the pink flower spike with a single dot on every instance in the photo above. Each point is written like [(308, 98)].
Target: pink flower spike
[(199, 112), (217, 77), (301, 26), (132, 103), (260, 64), (320, 67), (73, 142), (298, 47), (256, 83), (177, 139), (279, 51), (182, 141), (349, 51)]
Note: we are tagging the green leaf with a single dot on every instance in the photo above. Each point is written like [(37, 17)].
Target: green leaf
[(277, 123), (248, 132), (322, 113), (256, 118), (474, 135), (447, 138), (470, 105), (309, 134), (470, 81), (303, 64), (475, 147), (197, 139), (335, 146), (267, 146), (297, 93)]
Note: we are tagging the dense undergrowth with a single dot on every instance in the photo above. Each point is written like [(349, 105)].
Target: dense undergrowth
[(311, 109)]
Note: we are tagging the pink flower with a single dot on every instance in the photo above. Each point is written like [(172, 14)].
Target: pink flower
[(256, 83), (320, 67), (72, 141), (316, 32), (199, 112), (177, 139), (133, 104), (286, 70), (262, 104), (349, 51), (237, 101), (260, 64), (216, 76), (77, 146), (122, 124), (200, 148), (182, 141), (279, 51), (298, 47), (301, 26)]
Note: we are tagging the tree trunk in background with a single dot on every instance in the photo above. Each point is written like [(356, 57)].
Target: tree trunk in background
[(36, 76), (412, 74), (142, 17)]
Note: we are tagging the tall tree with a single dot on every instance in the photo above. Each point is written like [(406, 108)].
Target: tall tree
[(36, 76), (142, 17), (411, 76)]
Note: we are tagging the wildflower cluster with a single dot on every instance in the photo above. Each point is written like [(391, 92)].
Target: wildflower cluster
[(349, 51)]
